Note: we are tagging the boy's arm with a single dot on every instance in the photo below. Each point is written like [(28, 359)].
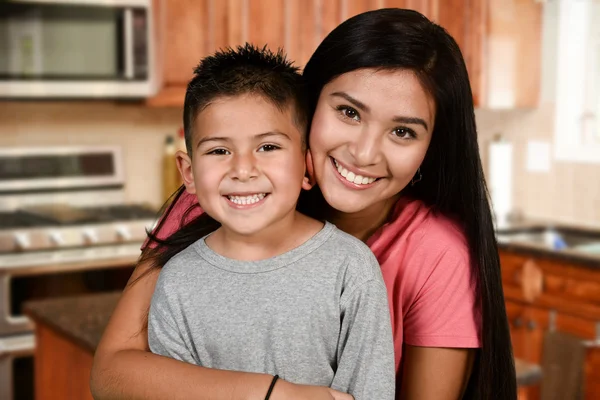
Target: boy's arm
[(165, 337), (366, 367), (125, 369)]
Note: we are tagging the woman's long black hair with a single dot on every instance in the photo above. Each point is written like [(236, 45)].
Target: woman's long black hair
[(453, 181)]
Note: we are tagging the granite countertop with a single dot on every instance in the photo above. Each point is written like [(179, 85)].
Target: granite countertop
[(507, 240), (82, 319)]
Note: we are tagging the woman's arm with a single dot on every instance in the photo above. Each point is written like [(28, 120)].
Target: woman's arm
[(435, 373), (124, 368)]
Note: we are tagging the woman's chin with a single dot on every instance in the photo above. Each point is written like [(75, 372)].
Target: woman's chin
[(345, 203)]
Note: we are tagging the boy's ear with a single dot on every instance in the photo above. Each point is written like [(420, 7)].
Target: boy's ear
[(309, 176), (184, 165)]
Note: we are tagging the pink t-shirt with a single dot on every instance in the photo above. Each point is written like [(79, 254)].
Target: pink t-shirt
[(424, 258)]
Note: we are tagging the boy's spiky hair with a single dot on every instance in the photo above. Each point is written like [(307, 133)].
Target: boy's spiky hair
[(246, 69)]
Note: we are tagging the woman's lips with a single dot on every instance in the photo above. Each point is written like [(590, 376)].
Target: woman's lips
[(340, 171)]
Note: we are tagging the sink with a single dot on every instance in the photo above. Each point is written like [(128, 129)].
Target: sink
[(553, 238)]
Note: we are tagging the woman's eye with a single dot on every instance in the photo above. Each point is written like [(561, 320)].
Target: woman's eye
[(404, 133), (349, 112), (219, 152), (268, 147)]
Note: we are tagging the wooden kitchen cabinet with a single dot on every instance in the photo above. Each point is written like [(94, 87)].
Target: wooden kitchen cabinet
[(500, 39), (187, 30), (568, 302)]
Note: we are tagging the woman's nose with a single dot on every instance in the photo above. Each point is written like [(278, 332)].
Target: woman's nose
[(366, 148), (243, 167)]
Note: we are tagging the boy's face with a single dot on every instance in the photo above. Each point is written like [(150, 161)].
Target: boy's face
[(248, 163)]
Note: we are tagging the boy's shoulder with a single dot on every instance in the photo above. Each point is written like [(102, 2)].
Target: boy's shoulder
[(182, 263), (359, 260)]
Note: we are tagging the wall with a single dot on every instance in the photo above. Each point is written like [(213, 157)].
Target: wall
[(568, 192), (139, 131)]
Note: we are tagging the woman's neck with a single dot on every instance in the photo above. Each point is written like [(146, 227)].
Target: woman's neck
[(363, 224)]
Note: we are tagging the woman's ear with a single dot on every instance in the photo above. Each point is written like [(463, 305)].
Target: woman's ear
[(309, 176), (184, 165)]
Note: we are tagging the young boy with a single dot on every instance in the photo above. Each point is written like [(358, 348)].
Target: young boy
[(271, 290)]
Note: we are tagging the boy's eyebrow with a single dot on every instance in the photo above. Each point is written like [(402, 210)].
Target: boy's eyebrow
[(212, 139), (226, 139), (273, 133), (365, 108), (352, 100)]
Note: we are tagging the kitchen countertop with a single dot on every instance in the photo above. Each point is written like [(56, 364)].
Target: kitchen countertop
[(567, 255), (81, 319)]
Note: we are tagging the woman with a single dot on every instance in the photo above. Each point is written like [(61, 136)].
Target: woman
[(393, 145)]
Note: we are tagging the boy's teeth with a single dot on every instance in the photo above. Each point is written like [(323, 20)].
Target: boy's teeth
[(352, 177), (243, 200)]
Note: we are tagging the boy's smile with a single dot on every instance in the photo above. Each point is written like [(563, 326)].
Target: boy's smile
[(247, 166)]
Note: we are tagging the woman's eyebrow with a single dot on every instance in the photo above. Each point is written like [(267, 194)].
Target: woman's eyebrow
[(411, 120), (358, 104), (365, 108)]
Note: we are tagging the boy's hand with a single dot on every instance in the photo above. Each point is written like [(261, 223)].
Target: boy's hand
[(340, 395), (290, 391)]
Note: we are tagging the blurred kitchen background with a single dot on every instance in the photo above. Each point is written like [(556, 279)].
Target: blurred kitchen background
[(91, 95)]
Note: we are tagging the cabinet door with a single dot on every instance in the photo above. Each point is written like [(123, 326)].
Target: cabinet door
[(185, 31), (191, 30), (516, 321), (537, 323), (513, 54)]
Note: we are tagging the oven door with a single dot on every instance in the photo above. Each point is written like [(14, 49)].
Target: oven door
[(76, 48), (63, 273), (16, 367)]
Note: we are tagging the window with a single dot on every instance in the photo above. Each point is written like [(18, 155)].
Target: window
[(577, 125)]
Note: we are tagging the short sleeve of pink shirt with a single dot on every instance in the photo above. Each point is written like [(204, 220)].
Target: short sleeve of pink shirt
[(174, 221), (432, 291)]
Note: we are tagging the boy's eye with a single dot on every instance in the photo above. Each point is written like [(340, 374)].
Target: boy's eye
[(268, 147), (349, 112), (219, 152), (404, 133)]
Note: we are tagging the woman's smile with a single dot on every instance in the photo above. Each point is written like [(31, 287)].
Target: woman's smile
[(353, 178)]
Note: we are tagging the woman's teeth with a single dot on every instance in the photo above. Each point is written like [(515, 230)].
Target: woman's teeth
[(352, 177), (244, 200)]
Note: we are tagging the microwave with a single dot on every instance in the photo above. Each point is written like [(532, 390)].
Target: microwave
[(61, 49)]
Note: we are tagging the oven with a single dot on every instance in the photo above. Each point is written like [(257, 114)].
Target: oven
[(65, 230)]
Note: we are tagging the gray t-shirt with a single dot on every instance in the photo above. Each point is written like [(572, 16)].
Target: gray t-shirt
[(317, 314)]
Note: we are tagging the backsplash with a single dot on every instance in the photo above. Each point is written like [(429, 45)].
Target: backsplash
[(569, 191), (138, 130)]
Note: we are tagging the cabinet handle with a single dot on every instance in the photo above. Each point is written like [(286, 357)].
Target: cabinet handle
[(531, 325), (518, 322), (532, 281)]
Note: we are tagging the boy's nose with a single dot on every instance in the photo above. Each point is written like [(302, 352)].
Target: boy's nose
[(243, 168)]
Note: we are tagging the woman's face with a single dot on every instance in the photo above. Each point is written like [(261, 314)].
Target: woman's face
[(369, 135)]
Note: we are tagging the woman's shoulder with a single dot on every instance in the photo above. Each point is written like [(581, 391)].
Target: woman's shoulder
[(417, 226)]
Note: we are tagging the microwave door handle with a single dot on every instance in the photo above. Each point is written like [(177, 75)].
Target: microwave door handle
[(128, 43)]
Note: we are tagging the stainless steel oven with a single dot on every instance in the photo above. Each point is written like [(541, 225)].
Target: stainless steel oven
[(65, 230), (76, 48)]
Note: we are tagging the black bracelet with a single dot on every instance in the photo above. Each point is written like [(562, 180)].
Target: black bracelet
[(272, 386)]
